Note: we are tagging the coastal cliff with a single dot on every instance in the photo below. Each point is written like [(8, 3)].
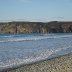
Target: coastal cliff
[(36, 27)]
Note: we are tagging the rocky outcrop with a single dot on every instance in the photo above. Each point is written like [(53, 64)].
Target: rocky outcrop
[(36, 27)]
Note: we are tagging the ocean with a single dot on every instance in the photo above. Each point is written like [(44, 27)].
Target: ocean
[(22, 49)]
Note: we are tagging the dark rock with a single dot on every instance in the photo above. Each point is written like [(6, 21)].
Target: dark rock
[(36, 27)]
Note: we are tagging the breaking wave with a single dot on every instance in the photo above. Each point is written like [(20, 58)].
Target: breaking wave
[(38, 47), (45, 54), (18, 38)]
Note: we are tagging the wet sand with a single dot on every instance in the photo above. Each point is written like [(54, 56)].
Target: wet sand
[(57, 64)]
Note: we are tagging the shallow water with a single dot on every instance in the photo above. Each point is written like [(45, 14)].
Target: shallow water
[(27, 48)]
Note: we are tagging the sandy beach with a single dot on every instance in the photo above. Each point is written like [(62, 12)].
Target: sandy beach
[(57, 64)]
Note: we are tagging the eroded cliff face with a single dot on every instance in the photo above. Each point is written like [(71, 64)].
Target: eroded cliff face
[(36, 27)]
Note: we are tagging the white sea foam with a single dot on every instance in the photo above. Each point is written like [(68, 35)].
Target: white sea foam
[(13, 54), (42, 56), (12, 38), (9, 36)]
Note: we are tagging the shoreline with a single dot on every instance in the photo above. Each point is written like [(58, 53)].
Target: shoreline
[(57, 64)]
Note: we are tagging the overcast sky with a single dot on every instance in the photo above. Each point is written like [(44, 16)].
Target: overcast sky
[(36, 10)]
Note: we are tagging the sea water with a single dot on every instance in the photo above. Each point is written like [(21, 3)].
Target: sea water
[(17, 49)]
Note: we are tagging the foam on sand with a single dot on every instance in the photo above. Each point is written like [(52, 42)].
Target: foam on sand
[(58, 64)]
